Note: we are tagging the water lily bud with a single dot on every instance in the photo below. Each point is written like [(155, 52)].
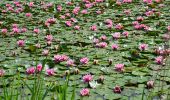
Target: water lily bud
[(45, 52), (110, 61), (101, 79), (14, 53), (67, 72), (95, 62), (76, 71), (150, 84)]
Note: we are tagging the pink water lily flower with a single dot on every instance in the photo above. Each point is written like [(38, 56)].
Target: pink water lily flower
[(30, 70), (116, 35), (50, 72), (87, 78), (20, 43), (117, 89), (147, 1), (84, 60), (49, 37), (2, 72), (103, 37), (28, 14), (109, 21), (59, 8), (70, 62), (119, 26), (36, 30), (98, 12), (76, 10), (159, 60), (23, 30), (95, 40), (31, 4), (101, 45), (115, 46), (158, 1), (4, 30), (39, 67), (126, 34), (93, 28), (77, 27), (140, 18), (14, 25), (84, 11), (85, 92), (89, 5), (143, 46), (60, 58), (68, 23), (15, 30), (119, 67), (127, 11)]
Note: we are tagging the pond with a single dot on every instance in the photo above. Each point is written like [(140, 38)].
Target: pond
[(84, 49)]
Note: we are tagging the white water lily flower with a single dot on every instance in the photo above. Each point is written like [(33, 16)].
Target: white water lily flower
[(93, 84)]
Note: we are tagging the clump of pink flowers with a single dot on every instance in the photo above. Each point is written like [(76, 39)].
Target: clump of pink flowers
[(85, 92), (60, 58), (101, 45), (87, 78), (84, 60), (119, 67)]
